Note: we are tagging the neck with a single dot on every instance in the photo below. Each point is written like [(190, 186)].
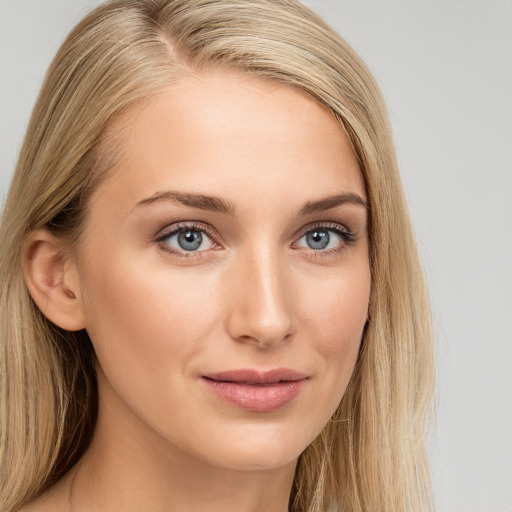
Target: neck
[(132, 468)]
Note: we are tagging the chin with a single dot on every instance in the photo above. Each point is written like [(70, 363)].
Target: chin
[(256, 447), (254, 460)]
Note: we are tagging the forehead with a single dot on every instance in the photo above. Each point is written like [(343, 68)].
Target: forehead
[(226, 133)]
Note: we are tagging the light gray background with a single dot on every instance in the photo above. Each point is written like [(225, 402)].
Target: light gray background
[(445, 68)]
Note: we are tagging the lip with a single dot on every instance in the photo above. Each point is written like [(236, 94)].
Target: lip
[(255, 390)]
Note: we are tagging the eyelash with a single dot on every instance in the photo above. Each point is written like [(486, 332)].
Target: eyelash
[(346, 237), (177, 228)]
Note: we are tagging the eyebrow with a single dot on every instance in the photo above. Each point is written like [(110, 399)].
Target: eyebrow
[(200, 201), (217, 204), (330, 202)]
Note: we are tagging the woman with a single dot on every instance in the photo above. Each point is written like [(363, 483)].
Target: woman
[(211, 297)]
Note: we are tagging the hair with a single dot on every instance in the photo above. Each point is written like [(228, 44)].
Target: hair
[(371, 455)]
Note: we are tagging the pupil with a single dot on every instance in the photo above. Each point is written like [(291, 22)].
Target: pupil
[(190, 240), (318, 239)]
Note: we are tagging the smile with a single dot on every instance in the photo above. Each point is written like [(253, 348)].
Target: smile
[(257, 391)]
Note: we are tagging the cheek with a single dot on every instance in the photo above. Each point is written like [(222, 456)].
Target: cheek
[(336, 311), (335, 317), (142, 321)]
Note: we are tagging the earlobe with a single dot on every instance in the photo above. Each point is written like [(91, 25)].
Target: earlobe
[(52, 280)]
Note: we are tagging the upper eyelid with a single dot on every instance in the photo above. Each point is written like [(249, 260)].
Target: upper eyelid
[(322, 225), (201, 226), (178, 226), (216, 238), (174, 228)]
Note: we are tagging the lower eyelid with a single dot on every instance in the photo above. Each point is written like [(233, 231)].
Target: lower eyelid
[(182, 254), (344, 236)]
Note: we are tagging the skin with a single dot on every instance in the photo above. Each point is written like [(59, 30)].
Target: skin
[(255, 296)]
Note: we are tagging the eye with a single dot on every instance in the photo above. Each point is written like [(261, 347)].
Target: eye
[(325, 239), (186, 239)]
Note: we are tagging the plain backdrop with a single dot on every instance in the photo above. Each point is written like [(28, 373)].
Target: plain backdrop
[(445, 68)]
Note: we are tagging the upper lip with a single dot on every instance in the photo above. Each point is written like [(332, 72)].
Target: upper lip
[(252, 376)]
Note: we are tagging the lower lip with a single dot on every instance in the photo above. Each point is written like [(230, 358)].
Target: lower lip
[(257, 397)]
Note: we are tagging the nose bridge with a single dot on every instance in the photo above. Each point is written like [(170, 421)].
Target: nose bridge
[(262, 308)]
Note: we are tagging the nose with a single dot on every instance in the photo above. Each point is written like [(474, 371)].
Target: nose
[(260, 312)]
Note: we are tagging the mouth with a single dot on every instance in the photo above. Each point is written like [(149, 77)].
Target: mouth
[(257, 391)]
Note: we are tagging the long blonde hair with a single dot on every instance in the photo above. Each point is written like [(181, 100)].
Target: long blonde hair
[(370, 456)]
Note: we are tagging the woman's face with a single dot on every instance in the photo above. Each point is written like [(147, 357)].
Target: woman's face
[(224, 275)]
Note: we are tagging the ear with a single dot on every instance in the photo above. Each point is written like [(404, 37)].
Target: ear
[(52, 280)]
